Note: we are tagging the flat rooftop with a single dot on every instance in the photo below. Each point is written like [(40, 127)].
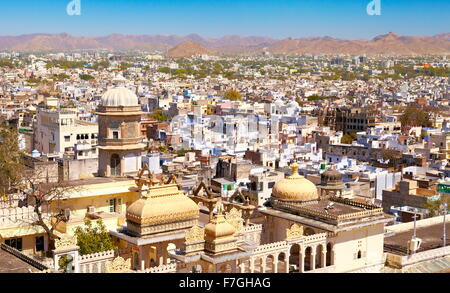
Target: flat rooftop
[(336, 210), (98, 180), (430, 235)]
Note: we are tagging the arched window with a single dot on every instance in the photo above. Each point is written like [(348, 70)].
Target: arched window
[(329, 258), (359, 254), (115, 165)]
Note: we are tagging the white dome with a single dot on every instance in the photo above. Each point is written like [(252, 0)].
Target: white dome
[(119, 96)]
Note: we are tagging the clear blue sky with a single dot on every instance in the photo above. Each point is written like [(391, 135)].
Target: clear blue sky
[(215, 18)]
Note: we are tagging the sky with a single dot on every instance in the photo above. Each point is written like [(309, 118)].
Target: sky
[(279, 19)]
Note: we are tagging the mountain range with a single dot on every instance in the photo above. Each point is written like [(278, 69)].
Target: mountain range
[(390, 43)]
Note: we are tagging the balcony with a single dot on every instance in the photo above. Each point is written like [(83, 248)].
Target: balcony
[(120, 141)]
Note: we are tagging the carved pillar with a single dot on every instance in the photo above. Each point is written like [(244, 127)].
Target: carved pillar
[(122, 164), (323, 258), (312, 260), (301, 262), (263, 265), (75, 262), (122, 130), (252, 265), (286, 262), (242, 267), (275, 264)]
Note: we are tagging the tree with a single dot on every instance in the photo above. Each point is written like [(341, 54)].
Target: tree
[(348, 138), (159, 116), (414, 116), (11, 166), (93, 239), (434, 206), (44, 196), (232, 95), (86, 77)]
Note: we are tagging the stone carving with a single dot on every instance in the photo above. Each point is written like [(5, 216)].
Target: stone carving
[(195, 234), (66, 242), (234, 217), (296, 231), (118, 265)]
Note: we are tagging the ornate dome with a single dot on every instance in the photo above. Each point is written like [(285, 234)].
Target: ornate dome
[(163, 204), (119, 96), (331, 175), (295, 187), (219, 228)]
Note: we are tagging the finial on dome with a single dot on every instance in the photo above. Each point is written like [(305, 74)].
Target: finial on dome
[(294, 167), (219, 207)]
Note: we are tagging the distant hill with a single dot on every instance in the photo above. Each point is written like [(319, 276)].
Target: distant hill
[(188, 49), (390, 43)]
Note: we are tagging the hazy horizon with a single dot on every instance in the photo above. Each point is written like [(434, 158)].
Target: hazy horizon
[(219, 37)]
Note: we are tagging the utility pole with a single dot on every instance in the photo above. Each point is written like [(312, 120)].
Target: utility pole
[(414, 217), (444, 234)]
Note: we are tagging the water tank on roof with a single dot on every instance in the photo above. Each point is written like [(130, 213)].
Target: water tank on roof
[(35, 154)]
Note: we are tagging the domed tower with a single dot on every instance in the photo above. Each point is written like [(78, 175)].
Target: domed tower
[(331, 182), (120, 143), (219, 234), (294, 189)]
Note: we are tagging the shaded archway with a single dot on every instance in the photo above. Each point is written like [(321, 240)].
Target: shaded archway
[(308, 253), (319, 250), (294, 258), (271, 264), (282, 263), (225, 268), (329, 257), (309, 231), (115, 165)]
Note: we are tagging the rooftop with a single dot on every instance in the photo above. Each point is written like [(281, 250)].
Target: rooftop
[(12, 264), (430, 235)]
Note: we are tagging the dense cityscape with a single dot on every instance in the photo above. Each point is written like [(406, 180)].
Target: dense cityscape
[(191, 159)]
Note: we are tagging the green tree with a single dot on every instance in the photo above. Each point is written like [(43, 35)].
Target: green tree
[(163, 149), (348, 138), (11, 166), (181, 153), (159, 116), (86, 77), (63, 263), (316, 98), (232, 95), (434, 207), (92, 239)]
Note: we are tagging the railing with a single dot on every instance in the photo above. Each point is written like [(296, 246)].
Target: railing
[(270, 247), (163, 269), (11, 217), (96, 262), (399, 261), (23, 257), (315, 237), (252, 228)]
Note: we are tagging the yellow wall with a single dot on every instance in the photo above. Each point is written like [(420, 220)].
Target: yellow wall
[(28, 243), (367, 239)]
